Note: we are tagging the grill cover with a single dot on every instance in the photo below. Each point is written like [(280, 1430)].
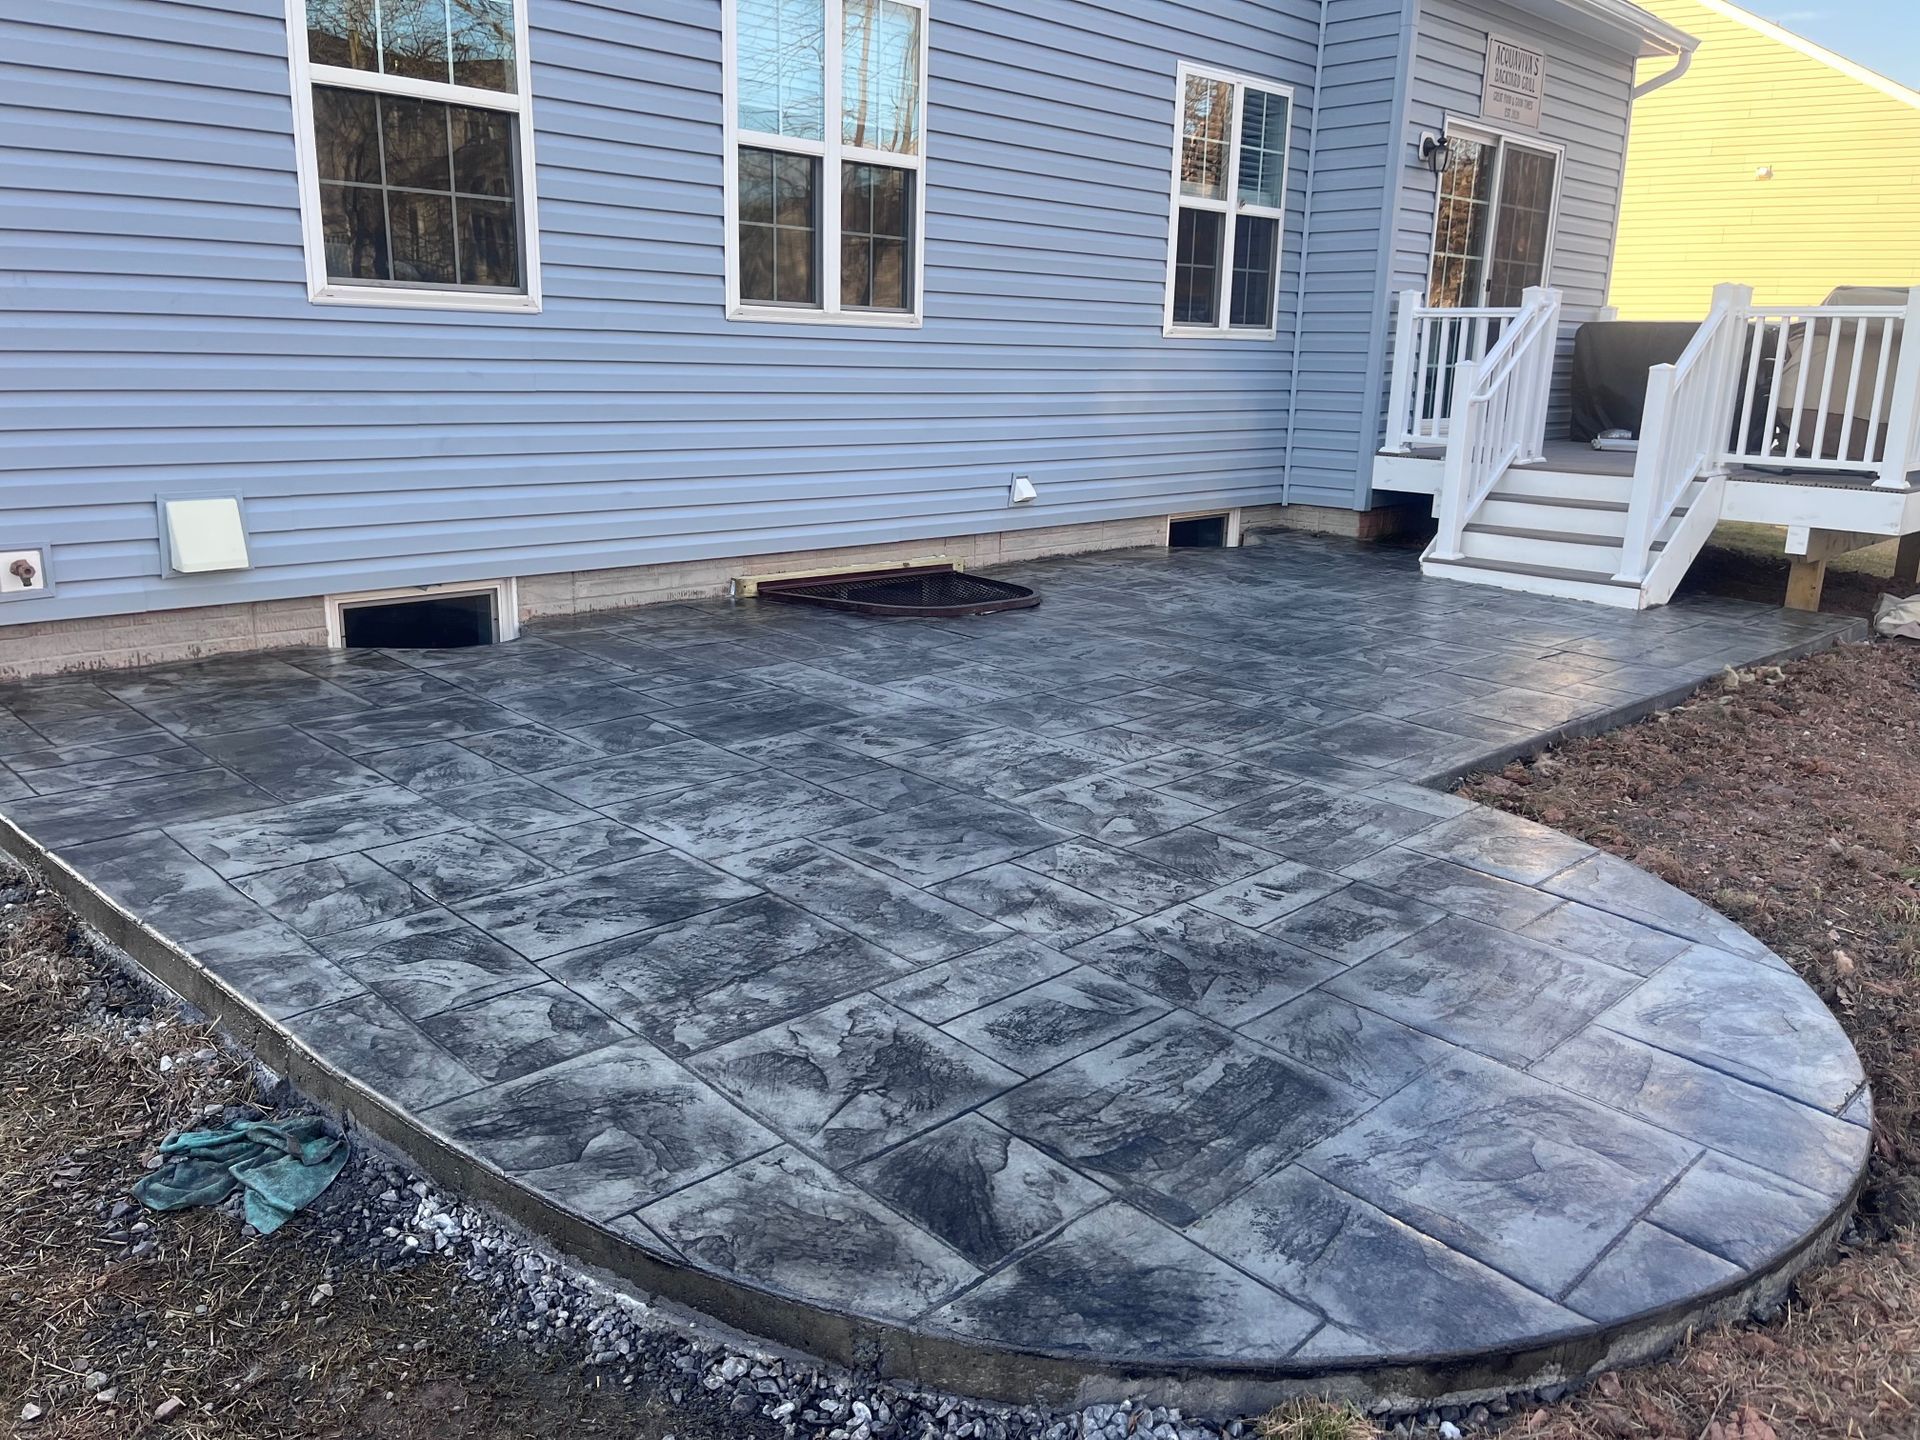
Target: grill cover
[(1807, 350), (1610, 363)]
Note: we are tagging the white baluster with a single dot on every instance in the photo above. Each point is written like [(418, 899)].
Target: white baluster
[(1401, 417), (1874, 450), (1903, 412), (1753, 334)]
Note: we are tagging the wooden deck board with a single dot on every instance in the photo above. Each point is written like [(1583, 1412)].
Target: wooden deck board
[(1576, 457)]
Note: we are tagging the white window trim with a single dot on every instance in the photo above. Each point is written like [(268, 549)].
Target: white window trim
[(322, 289), (505, 595), (831, 152), (1477, 129), (1230, 208)]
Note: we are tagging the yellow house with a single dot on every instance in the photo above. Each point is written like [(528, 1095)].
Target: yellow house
[(1771, 162)]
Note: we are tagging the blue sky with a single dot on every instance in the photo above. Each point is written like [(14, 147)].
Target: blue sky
[(1871, 32)]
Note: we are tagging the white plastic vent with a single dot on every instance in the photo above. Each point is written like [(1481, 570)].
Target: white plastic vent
[(205, 534)]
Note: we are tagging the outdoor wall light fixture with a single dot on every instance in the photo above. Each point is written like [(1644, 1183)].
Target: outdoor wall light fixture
[(1435, 151)]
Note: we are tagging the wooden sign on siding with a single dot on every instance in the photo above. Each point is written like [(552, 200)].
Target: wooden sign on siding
[(1515, 78)]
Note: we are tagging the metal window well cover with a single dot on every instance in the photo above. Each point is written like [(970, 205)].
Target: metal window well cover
[(937, 591)]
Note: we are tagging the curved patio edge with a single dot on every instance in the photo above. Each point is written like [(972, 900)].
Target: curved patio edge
[(980, 1368)]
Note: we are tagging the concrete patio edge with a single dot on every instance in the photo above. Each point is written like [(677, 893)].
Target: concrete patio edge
[(978, 1368), (1627, 713)]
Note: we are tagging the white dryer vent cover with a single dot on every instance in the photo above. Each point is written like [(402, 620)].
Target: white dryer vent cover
[(205, 535)]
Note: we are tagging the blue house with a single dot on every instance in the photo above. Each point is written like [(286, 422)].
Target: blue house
[(582, 303)]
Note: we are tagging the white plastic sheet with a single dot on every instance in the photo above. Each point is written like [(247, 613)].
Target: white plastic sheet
[(1894, 616)]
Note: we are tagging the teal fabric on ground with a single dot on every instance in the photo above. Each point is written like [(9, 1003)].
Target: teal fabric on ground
[(282, 1165)]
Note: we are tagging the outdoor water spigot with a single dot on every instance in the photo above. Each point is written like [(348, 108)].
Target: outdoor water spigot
[(23, 571)]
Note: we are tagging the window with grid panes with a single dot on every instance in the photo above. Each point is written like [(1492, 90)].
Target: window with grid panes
[(416, 161), (1229, 204), (825, 162)]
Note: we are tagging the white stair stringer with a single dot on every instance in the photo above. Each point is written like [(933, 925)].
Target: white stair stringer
[(1557, 532), (1681, 539)]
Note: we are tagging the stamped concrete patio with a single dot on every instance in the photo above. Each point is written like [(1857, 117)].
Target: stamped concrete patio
[(1056, 999)]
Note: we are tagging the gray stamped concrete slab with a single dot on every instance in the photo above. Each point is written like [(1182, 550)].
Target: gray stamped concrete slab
[(1102, 982)]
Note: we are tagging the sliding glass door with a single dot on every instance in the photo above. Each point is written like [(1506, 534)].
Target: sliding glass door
[(1493, 232)]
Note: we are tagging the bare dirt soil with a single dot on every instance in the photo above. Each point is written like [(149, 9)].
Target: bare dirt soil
[(1749, 562), (1790, 800)]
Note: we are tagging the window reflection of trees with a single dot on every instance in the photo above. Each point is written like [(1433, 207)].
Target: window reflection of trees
[(881, 85), (1459, 246), (460, 42), (795, 160), (781, 52), (1203, 149)]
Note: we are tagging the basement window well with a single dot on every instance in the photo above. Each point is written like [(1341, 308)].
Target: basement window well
[(423, 617), (1203, 532), (934, 591)]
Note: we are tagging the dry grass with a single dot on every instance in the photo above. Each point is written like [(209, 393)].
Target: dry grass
[(1841, 1362), (1313, 1420)]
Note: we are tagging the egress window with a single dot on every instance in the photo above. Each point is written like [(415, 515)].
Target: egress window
[(826, 108), (1229, 203), (415, 148)]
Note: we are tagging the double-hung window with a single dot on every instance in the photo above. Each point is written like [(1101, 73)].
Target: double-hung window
[(826, 131), (415, 147), (1229, 204)]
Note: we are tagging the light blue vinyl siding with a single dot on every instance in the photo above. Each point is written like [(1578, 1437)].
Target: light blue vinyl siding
[(1334, 412), (159, 341), (1584, 108)]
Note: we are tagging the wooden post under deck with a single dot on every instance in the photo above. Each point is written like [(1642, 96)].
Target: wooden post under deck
[(1804, 582), (1809, 550), (1906, 564)]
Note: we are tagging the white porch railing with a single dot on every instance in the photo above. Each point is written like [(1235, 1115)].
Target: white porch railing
[(1684, 427), (1819, 389), (1829, 388), (1499, 418), (1429, 344)]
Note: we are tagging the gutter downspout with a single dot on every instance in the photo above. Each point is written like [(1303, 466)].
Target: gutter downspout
[(1682, 63), (1306, 244)]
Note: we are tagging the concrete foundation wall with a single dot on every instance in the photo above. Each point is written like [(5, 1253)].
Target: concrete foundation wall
[(587, 590), (115, 642)]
